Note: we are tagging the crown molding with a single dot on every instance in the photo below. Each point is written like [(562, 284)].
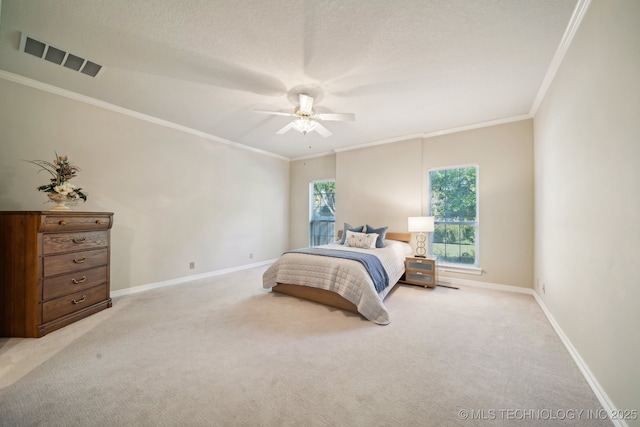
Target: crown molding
[(426, 135), (477, 125), (578, 13), (314, 156), (35, 84), (381, 142)]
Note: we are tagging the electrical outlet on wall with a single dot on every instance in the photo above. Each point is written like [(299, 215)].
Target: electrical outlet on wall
[(251, 255), (192, 265)]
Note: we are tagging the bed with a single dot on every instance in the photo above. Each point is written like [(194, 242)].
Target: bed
[(339, 282)]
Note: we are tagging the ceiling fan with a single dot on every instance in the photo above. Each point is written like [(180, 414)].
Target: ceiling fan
[(306, 120)]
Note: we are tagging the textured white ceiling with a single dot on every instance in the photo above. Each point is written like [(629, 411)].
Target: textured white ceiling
[(404, 67)]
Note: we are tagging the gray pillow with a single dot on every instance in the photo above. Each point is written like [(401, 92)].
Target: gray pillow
[(346, 228), (381, 232)]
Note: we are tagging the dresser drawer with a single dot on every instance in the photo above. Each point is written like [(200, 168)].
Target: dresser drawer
[(74, 282), (62, 306), (70, 222), (419, 278), (54, 243), (425, 265), (74, 261)]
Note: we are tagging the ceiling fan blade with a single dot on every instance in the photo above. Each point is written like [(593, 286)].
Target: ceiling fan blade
[(275, 113), (323, 131), (348, 117), (306, 103), (285, 129)]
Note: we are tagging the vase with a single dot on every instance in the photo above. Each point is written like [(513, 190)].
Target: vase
[(60, 200)]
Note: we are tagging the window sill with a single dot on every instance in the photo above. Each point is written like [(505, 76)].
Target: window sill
[(449, 268)]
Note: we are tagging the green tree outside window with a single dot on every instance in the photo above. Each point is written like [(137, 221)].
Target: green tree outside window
[(453, 196), (323, 212)]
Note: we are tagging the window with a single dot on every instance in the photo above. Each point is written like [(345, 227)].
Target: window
[(454, 206), (322, 197)]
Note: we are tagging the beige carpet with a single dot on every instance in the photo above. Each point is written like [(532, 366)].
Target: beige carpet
[(224, 352)]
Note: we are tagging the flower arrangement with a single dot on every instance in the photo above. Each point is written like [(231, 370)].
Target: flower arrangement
[(61, 171)]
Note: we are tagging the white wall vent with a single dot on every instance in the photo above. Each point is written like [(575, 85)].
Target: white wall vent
[(58, 56)]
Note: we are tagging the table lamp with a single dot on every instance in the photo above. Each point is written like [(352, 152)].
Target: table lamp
[(421, 224)]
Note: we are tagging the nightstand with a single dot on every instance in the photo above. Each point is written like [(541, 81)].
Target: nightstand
[(420, 271)]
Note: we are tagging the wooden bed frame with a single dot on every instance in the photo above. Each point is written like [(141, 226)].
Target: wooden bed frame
[(323, 296)]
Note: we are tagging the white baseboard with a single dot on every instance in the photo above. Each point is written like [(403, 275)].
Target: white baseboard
[(186, 279), (602, 396), (485, 285)]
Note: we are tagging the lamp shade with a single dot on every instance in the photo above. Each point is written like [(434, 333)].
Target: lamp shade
[(421, 224), (304, 125)]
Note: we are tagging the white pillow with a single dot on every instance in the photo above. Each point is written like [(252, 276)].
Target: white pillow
[(361, 240)]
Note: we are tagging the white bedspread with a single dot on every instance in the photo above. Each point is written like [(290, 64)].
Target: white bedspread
[(346, 277)]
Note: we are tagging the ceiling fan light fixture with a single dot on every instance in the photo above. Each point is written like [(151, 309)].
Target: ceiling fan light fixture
[(306, 119), (304, 125)]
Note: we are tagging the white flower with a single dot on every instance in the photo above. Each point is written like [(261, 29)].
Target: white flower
[(65, 188)]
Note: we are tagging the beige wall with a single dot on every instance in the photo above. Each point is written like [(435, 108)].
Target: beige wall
[(384, 184), (379, 185), (587, 180), (304, 172), (504, 156), (176, 197)]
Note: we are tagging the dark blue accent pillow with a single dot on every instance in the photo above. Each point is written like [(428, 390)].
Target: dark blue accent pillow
[(381, 232), (346, 228)]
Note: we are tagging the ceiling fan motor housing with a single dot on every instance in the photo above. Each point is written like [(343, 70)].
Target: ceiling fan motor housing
[(306, 120)]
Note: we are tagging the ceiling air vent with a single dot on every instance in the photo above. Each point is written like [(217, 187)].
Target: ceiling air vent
[(58, 56)]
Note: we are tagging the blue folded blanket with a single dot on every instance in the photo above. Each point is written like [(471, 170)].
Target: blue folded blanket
[(370, 262)]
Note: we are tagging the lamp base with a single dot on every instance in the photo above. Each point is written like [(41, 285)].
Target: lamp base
[(421, 251), (419, 256)]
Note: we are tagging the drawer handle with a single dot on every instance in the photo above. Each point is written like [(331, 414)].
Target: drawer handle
[(79, 261), (62, 222), (84, 297), (79, 240), (98, 222), (75, 282), (418, 273)]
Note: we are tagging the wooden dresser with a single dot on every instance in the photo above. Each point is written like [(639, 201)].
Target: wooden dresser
[(54, 269)]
